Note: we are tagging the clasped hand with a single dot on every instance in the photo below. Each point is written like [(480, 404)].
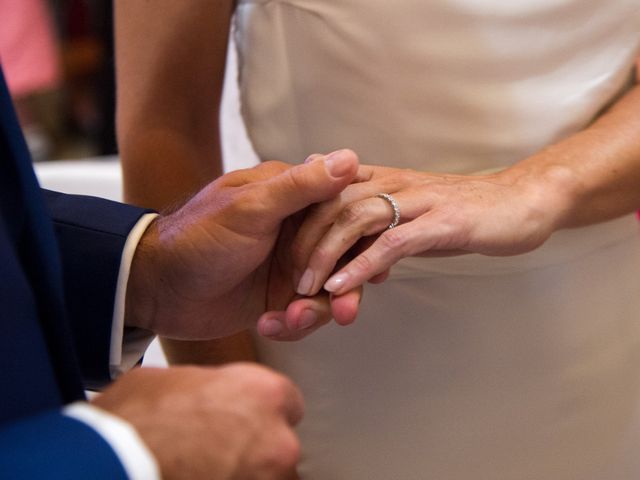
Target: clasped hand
[(222, 261), (241, 248)]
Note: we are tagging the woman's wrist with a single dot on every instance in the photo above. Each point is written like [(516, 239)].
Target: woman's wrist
[(550, 188)]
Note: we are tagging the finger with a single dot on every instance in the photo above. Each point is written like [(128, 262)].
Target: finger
[(317, 221), (284, 453), (261, 172), (361, 247), (273, 325), (345, 307), (442, 253), (302, 185), (293, 405), (306, 315), (380, 277), (305, 312), (357, 220), (393, 245), (320, 217), (312, 157), (302, 317), (355, 223)]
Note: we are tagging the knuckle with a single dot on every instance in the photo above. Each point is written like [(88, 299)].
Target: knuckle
[(348, 151), (363, 263), (406, 176), (320, 212), (312, 157), (300, 250), (246, 372), (232, 178), (393, 240), (297, 179), (273, 386), (352, 213), (290, 450), (273, 166), (246, 201), (322, 256), (284, 453), (323, 213)]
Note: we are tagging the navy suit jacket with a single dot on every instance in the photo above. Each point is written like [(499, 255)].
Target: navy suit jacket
[(59, 261)]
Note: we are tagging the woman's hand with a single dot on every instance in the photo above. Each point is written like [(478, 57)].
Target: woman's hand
[(505, 213), (589, 177)]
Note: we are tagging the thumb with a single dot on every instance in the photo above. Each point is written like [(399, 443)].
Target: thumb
[(300, 186)]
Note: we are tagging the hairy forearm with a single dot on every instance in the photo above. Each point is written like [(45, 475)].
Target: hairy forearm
[(594, 175)]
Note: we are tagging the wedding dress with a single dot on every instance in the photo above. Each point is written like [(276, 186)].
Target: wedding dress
[(472, 367)]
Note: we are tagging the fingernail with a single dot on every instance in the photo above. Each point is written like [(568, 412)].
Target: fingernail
[(306, 282), (336, 163), (271, 328), (313, 157), (336, 282), (307, 319)]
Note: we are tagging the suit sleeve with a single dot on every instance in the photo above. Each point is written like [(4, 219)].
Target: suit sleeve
[(91, 234), (52, 445)]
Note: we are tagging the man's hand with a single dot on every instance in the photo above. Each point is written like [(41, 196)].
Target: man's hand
[(233, 422), (207, 270)]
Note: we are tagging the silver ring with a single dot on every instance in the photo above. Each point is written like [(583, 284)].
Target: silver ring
[(394, 205)]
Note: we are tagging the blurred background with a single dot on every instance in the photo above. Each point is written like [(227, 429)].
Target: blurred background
[(57, 57)]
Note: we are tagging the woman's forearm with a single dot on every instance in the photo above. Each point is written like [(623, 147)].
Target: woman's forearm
[(589, 177), (170, 59), (596, 172)]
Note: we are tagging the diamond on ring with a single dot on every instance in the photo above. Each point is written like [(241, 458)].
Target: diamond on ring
[(394, 205)]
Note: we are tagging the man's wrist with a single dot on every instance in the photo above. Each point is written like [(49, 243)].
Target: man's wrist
[(141, 301), (136, 458)]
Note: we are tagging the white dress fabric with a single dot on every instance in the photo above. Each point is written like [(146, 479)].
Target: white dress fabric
[(473, 367)]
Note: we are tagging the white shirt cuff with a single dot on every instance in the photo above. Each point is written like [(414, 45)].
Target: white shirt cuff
[(127, 350), (137, 460)]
